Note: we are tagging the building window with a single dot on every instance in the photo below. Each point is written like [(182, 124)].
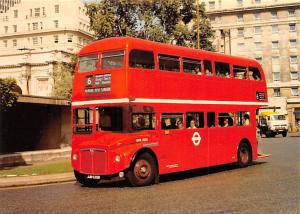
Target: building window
[(257, 1), (259, 59), (258, 46), (240, 32), (276, 92), (275, 29), (240, 18), (294, 91), (256, 16), (5, 43), (34, 26), (294, 75), (37, 12), (35, 41), (257, 30), (292, 27), (291, 13), (276, 76), (15, 43), (15, 28), (241, 47), (56, 8), (41, 25), (6, 29), (293, 60), (211, 5), (275, 60), (41, 40), (44, 11), (239, 3), (275, 45), (274, 14), (70, 38), (28, 26), (15, 13), (293, 43), (56, 23), (56, 39)]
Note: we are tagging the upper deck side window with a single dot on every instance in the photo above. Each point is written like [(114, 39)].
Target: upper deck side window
[(254, 74), (141, 59), (88, 63), (222, 69), (113, 59), (168, 63), (239, 72), (208, 68), (191, 66)]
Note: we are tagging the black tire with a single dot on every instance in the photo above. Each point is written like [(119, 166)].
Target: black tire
[(244, 155), (284, 134), (143, 171), (268, 134), (82, 178)]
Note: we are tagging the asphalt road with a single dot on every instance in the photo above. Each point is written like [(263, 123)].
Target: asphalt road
[(269, 186)]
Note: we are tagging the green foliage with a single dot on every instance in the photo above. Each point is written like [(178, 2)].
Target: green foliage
[(168, 21), (63, 78), (8, 93)]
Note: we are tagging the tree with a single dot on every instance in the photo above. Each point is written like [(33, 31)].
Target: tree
[(8, 93), (168, 21), (63, 77)]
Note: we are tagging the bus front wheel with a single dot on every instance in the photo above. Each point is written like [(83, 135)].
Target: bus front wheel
[(143, 171), (83, 179), (244, 155)]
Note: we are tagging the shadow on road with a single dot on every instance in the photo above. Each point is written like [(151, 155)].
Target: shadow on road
[(121, 183)]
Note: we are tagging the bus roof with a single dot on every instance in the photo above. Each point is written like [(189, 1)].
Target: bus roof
[(123, 42)]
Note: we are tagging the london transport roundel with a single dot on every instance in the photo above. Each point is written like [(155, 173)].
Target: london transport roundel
[(196, 138)]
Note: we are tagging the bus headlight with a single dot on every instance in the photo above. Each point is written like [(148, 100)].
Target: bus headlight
[(74, 157), (118, 158)]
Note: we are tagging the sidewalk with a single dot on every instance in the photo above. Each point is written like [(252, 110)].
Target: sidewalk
[(33, 157), (35, 180)]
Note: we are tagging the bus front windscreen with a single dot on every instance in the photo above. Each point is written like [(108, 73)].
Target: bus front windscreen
[(278, 117), (109, 119), (88, 63)]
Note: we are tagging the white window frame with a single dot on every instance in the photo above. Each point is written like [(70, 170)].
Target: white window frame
[(292, 27), (257, 30), (276, 92), (294, 75), (276, 76), (275, 45), (293, 43), (295, 91), (293, 60), (275, 29)]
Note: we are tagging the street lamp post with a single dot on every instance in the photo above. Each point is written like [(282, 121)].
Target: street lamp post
[(198, 26)]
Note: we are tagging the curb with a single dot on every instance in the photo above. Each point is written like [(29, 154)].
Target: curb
[(20, 181)]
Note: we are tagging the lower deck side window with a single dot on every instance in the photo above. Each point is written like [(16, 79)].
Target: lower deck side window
[(143, 121), (83, 120), (242, 118), (171, 121)]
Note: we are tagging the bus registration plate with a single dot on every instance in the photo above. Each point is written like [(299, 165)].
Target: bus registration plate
[(97, 177)]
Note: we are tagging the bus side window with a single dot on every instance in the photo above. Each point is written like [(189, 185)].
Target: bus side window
[(211, 119), (192, 66), (143, 121), (226, 119), (168, 63), (114, 59), (208, 68), (239, 72), (141, 59), (243, 118), (222, 69), (170, 120), (197, 117), (254, 74)]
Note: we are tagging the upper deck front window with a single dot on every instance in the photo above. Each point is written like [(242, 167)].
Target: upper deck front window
[(88, 63), (113, 59)]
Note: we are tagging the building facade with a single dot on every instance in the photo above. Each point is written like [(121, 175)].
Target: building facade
[(268, 31), (35, 36)]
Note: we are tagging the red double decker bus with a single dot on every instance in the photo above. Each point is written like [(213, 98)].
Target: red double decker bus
[(142, 109)]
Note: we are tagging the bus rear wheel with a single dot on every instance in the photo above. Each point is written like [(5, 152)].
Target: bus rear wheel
[(83, 179), (244, 155), (143, 171)]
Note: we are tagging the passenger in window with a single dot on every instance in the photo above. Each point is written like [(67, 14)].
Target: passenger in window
[(227, 75), (179, 124), (225, 122), (246, 121), (208, 73), (192, 124), (140, 123), (198, 71)]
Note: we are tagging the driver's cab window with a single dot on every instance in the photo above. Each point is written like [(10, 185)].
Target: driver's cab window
[(109, 119)]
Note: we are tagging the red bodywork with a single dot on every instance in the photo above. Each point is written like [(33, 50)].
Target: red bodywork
[(165, 92)]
